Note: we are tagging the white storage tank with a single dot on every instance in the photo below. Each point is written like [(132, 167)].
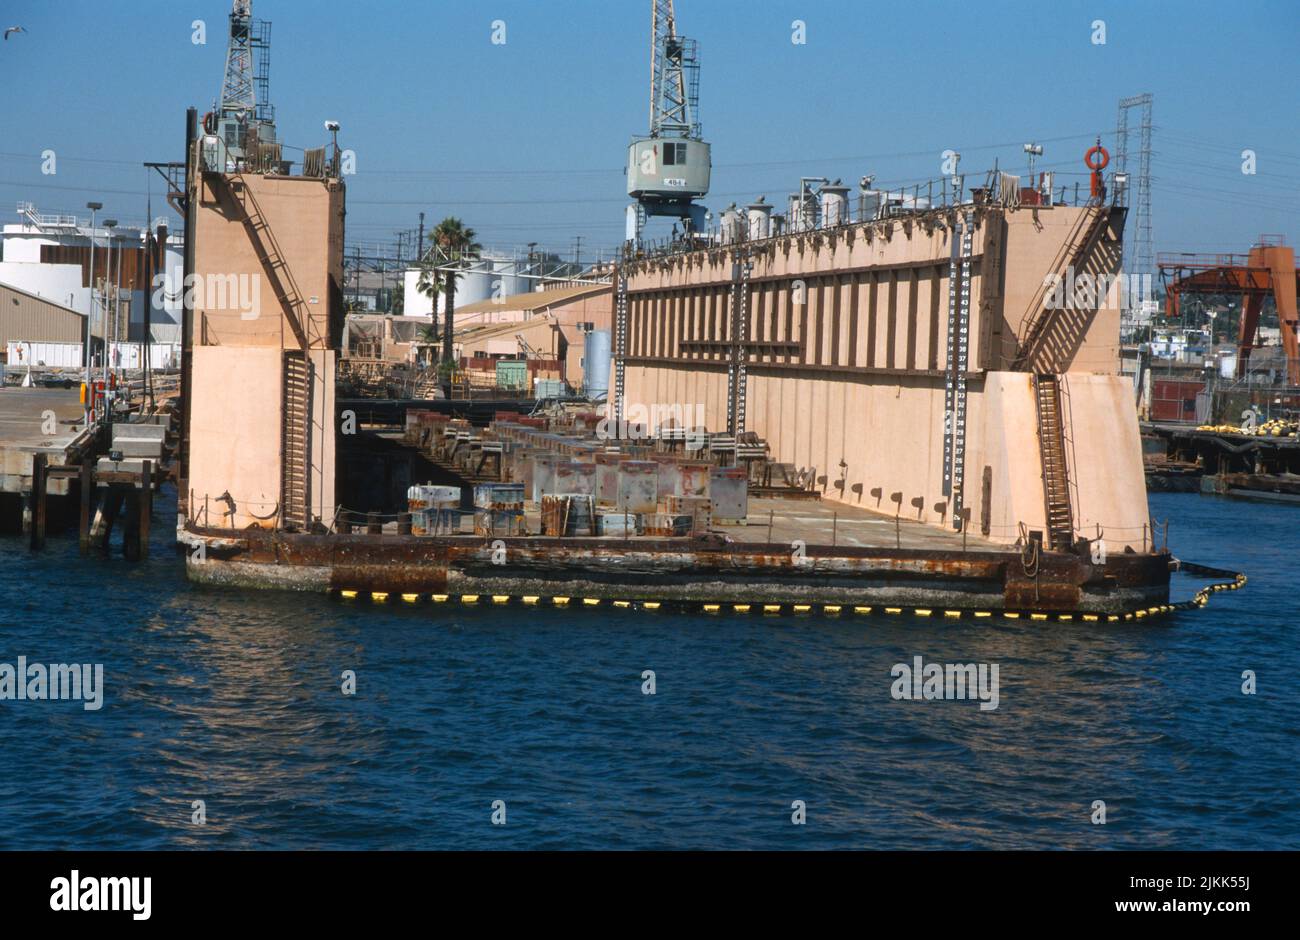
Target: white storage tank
[(803, 211), (760, 218), (835, 205), (596, 358), (730, 225)]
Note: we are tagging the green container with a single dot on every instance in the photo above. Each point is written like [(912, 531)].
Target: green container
[(512, 373)]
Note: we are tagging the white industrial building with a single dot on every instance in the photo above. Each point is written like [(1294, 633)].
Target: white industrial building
[(49, 256)]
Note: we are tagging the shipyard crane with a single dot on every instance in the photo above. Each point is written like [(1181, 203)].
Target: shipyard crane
[(1268, 270), (244, 114), (668, 169)]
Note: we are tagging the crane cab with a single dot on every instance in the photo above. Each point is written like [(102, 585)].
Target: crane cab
[(668, 169)]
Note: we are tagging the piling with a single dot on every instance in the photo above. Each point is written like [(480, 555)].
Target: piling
[(87, 486), (38, 501), (146, 508)]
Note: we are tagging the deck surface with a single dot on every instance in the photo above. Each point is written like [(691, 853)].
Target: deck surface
[(22, 427), (823, 522)]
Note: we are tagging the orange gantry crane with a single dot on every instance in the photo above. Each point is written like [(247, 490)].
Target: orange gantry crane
[(1267, 270)]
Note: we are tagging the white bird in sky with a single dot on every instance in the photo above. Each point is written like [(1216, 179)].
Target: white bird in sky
[(13, 29)]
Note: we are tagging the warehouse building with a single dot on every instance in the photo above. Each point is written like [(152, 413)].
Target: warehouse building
[(28, 323)]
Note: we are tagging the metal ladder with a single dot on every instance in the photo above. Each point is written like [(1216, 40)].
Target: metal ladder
[(954, 415), (620, 342), (737, 371), (295, 417), (1056, 477)]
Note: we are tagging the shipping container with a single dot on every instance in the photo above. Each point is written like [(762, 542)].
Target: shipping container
[(1174, 399)]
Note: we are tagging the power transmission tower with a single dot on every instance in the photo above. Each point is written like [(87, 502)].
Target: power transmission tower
[(1138, 255)]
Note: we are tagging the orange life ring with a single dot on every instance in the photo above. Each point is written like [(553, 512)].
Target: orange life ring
[(1105, 158), (210, 123)]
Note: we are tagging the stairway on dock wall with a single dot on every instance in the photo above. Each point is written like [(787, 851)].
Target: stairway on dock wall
[(1056, 478), (295, 416)]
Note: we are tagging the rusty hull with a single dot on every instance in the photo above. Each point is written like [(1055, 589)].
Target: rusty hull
[(682, 569)]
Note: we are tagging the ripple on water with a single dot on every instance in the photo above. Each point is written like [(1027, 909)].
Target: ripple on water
[(235, 699)]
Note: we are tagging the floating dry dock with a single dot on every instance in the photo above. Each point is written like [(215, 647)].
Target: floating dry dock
[(949, 434)]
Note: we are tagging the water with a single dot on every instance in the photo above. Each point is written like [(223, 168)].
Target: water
[(234, 699)]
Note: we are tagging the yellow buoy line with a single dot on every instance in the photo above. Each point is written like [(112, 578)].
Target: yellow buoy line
[(1199, 599), (1277, 427)]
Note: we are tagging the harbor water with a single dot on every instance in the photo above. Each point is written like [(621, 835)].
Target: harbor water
[(236, 699)]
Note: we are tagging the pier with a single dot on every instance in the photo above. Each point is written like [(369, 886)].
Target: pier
[(55, 467)]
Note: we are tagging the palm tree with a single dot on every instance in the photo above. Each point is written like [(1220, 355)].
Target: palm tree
[(456, 243), (430, 285)]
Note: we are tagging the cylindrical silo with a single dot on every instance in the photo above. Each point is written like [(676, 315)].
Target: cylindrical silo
[(507, 282), (596, 358), (473, 284), (730, 225), (835, 204), (803, 211), (760, 218)]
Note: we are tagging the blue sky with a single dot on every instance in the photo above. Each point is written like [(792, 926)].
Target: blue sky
[(525, 141)]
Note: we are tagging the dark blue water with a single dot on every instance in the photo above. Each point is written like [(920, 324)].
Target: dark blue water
[(234, 698)]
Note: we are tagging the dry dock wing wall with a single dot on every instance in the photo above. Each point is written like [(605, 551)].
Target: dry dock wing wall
[(267, 316), (847, 348), (235, 444)]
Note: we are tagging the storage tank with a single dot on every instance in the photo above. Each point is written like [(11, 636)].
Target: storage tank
[(835, 204), (730, 225), (492, 274), (595, 365), (760, 218), (508, 281), (803, 211), (869, 204)]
